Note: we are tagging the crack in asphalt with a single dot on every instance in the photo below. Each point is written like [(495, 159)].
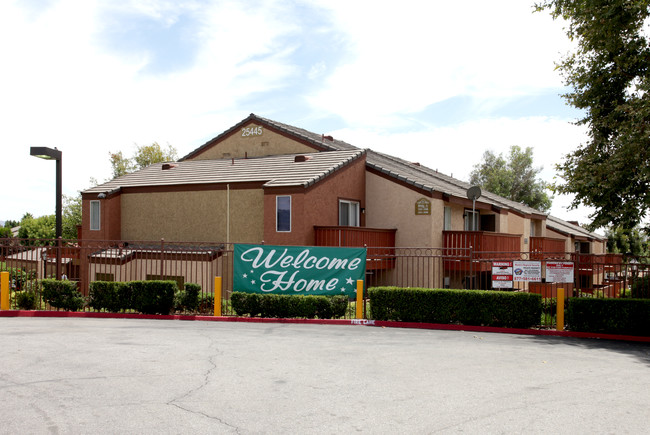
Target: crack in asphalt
[(206, 381)]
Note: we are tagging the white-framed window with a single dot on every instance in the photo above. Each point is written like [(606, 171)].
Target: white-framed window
[(472, 219), (348, 213), (95, 216), (447, 219), (532, 228), (283, 214)]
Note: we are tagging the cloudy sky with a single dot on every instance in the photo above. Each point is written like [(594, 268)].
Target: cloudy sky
[(429, 81)]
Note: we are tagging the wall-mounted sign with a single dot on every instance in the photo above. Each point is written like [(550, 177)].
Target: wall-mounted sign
[(298, 269), (502, 274), (254, 130), (422, 206), (527, 271), (559, 271)]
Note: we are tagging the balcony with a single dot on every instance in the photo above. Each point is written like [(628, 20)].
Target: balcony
[(547, 248), (458, 246), (379, 241)]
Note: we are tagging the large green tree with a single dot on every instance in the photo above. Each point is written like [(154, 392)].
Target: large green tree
[(144, 156), (624, 241), (514, 178), (609, 73)]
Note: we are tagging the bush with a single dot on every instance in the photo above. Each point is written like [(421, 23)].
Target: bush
[(641, 288), (289, 306), (26, 300), (466, 307), (609, 316), (153, 297), (206, 304), (189, 298), (110, 296), (62, 294)]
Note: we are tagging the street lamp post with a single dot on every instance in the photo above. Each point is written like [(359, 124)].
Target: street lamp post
[(54, 154)]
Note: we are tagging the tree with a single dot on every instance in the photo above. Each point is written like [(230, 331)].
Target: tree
[(37, 228), (609, 73), (71, 216), (144, 156), (622, 241), (515, 178), (10, 224)]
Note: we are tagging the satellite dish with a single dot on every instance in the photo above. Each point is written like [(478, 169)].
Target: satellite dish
[(474, 193)]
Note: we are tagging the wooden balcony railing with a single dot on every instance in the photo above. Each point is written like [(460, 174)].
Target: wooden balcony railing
[(547, 248), (458, 245), (379, 241)]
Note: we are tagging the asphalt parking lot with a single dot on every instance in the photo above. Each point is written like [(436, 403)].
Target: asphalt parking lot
[(71, 375)]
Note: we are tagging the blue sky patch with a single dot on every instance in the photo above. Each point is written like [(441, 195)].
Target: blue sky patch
[(168, 47)]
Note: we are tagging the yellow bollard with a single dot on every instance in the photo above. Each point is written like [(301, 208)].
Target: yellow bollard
[(217, 296), (4, 291), (359, 299), (560, 309)]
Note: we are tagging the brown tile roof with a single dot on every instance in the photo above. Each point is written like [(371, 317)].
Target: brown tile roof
[(570, 229), (272, 171)]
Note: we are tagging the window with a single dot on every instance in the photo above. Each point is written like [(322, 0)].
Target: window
[(447, 217), (471, 220), (532, 228), (348, 213), (283, 214), (94, 216)]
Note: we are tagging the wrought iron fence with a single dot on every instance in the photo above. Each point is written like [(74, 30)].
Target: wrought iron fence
[(84, 261)]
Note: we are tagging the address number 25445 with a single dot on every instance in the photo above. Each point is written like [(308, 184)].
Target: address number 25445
[(255, 130)]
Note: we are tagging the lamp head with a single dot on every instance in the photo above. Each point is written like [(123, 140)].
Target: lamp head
[(45, 153)]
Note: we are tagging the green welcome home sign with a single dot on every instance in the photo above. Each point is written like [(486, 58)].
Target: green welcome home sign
[(298, 269)]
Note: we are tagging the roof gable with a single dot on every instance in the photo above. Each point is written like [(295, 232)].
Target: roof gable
[(308, 139)]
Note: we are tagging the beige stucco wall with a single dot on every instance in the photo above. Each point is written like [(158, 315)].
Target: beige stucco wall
[(390, 205), (238, 146), (193, 216)]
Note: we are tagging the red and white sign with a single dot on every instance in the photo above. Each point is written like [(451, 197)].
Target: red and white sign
[(502, 274), (559, 271)]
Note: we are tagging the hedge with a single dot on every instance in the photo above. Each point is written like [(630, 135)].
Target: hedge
[(289, 306), (466, 307), (609, 316), (62, 294), (147, 297)]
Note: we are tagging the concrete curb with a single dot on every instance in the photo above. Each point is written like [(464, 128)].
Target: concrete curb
[(376, 323)]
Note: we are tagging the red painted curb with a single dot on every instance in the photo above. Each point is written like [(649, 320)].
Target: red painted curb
[(377, 323)]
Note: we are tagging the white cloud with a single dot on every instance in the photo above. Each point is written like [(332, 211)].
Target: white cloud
[(60, 87), (411, 54)]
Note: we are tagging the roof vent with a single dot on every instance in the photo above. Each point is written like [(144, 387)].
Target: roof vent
[(167, 166), (330, 138), (299, 159), (415, 163)]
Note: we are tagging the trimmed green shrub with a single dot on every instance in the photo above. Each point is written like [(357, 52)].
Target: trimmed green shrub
[(153, 297), (289, 306), (26, 300), (466, 307), (62, 294), (609, 316), (189, 298), (110, 296)]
